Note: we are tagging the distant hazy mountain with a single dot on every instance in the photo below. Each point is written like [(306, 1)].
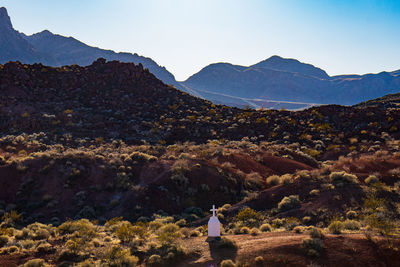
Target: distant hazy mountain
[(290, 80), (56, 50)]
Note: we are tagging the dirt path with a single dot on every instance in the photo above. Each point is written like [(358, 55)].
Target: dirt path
[(284, 249)]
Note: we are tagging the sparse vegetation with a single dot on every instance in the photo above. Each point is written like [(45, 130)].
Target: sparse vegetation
[(162, 170)]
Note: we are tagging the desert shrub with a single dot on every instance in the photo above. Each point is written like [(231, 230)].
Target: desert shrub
[(351, 214), (154, 260), (117, 256), (180, 179), (259, 261), (254, 231), (45, 248), (291, 222), (224, 208), (335, 227), (244, 230), (313, 246), (266, 227), (351, 225), (125, 232), (38, 231), (168, 233), (378, 216), (12, 218), (140, 156), (227, 263), (299, 229), (3, 240), (83, 227), (113, 221), (12, 249), (289, 202), (327, 187), (254, 176), (273, 180), (248, 217), (181, 222), (315, 232), (372, 179), (140, 230), (225, 243), (277, 222), (156, 224), (306, 220), (35, 263), (185, 232), (195, 233), (314, 192), (87, 263), (343, 177), (286, 179)]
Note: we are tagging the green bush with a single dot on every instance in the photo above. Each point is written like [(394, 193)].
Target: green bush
[(224, 243), (139, 156), (117, 256), (227, 263), (286, 179), (351, 214), (336, 227), (259, 261), (154, 260), (35, 263), (351, 225), (244, 230), (124, 232), (288, 203), (82, 226), (273, 180), (343, 177), (254, 231), (372, 179), (168, 233), (316, 232), (248, 217), (266, 227), (314, 192)]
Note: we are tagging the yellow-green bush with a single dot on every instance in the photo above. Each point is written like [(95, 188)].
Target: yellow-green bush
[(336, 227), (168, 233), (266, 227)]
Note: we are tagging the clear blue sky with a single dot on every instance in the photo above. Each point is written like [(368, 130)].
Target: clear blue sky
[(339, 36)]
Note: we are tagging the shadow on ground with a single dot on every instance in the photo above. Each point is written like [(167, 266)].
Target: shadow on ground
[(222, 249)]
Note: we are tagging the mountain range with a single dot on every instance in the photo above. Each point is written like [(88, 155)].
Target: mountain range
[(273, 83), (288, 80)]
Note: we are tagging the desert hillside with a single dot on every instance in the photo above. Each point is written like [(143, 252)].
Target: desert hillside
[(105, 165)]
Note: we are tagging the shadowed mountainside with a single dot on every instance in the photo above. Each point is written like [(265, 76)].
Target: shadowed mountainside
[(56, 50)]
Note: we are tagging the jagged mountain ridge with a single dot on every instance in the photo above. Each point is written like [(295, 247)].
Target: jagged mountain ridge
[(13, 46), (56, 50)]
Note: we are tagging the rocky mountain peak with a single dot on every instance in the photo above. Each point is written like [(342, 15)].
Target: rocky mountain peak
[(5, 20)]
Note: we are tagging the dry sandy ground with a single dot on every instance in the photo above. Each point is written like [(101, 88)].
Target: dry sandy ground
[(284, 249)]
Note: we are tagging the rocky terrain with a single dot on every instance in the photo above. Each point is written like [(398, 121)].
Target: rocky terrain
[(105, 165)]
